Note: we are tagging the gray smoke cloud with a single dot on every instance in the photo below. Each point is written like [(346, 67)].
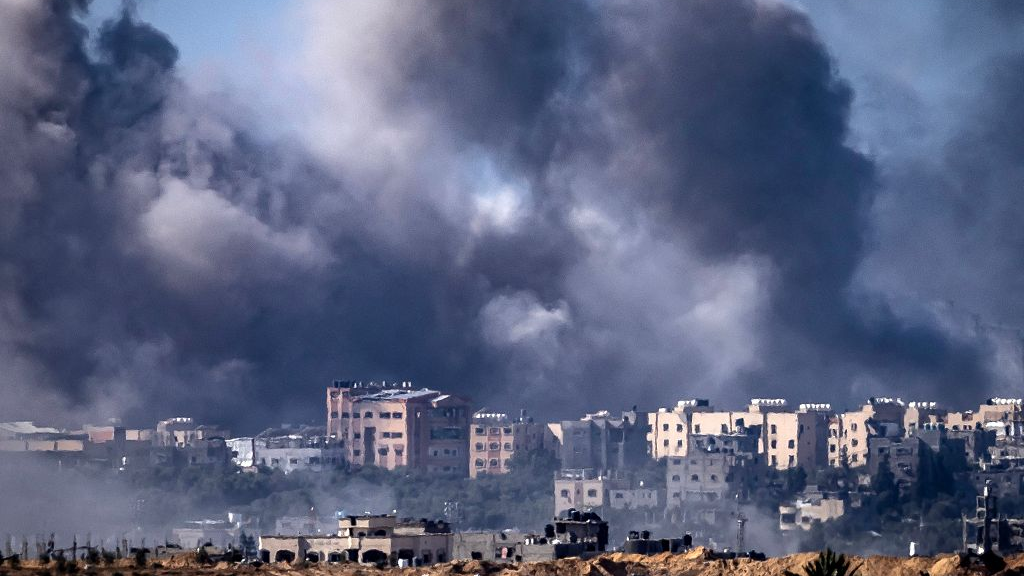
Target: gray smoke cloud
[(562, 206)]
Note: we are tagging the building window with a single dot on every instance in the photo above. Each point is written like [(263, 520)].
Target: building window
[(508, 445), (383, 451), (396, 415), (774, 443), (792, 444), (344, 414), (679, 443), (355, 452), (696, 428), (507, 463), (774, 429), (791, 460), (725, 428), (494, 431), (494, 446), (385, 415), (357, 435), (565, 493), (714, 478), (480, 431), (665, 443), (479, 462), (853, 427), (679, 427), (386, 434), (675, 477), (334, 414), (355, 414), (396, 434), (694, 478), (664, 427), (479, 446), (507, 430), (592, 493), (493, 462), (854, 442), (368, 414)]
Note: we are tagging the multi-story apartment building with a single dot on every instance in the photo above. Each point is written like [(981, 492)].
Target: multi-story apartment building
[(849, 431), (718, 467), (494, 438), (393, 425), (670, 429), (797, 439), (604, 442)]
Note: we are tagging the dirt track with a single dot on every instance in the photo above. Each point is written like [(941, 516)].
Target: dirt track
[(695, 563)]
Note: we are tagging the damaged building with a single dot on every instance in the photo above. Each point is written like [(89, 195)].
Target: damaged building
[(392, 424)]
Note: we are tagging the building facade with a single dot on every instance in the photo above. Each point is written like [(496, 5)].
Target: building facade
[(394, 425), (495, 438)]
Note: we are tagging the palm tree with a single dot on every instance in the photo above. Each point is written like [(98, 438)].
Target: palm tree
[(828, 563)]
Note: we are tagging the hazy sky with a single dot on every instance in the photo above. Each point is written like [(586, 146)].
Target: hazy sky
[(216, 208)]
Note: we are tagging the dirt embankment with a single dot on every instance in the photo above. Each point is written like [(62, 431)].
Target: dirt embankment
[(694, 563)]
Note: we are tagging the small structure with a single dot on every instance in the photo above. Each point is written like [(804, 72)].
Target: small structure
[(375, 540), (574, 534), (813, 507), (642, 543)]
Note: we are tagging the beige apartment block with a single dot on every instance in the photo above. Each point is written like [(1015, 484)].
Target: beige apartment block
[(671, 429), (849, 431), (797, 439), (494, 438), (392, 425), (585, 489)]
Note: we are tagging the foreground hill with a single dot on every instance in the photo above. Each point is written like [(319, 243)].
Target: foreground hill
[(695, 563)]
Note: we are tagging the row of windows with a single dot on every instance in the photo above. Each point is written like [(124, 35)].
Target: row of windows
[(696, 478), (492, 431), (679, 427), (392, 434), (494, 446), (480, 462), (790, 444), (444, 452), (369, 414)]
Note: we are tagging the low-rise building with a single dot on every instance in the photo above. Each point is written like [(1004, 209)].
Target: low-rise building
[(182, 432), (376, 540), (586, 488), (812, 507)]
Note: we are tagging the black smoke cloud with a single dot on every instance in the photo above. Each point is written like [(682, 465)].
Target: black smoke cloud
[(561, 206)]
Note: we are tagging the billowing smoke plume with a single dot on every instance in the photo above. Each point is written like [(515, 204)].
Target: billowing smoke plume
[(561, 206)]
